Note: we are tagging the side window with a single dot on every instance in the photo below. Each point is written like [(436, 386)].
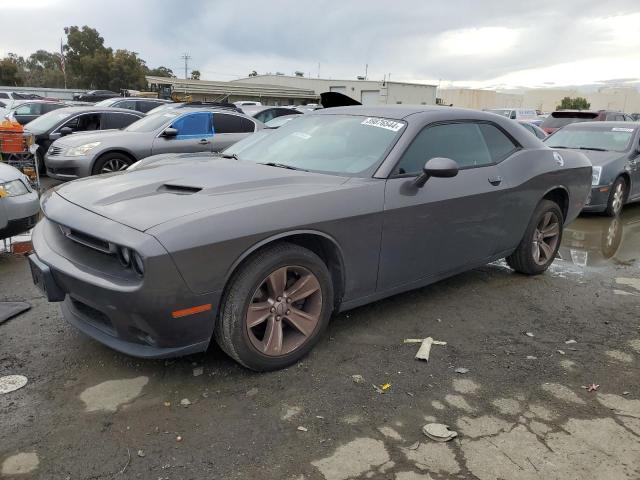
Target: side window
[(223, 123), (117, 120), (50, 107), (145, 106), (462, 142), (128, 104), (266, 115), (29, 109), (4, 95), (88, 122), (194, 124), (500, 146)]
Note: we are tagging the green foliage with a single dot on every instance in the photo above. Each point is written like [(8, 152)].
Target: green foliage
[(88, 64), (10, 71), (161, 72), (578, 103), (195, 75)]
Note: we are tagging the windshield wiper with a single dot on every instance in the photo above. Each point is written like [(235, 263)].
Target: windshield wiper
[(557, 146), (228, 155), (282, 165), (594, 149)]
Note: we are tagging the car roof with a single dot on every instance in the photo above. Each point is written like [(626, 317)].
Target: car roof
[(88, 108), (400, 112), (602, 125), (161, 100)]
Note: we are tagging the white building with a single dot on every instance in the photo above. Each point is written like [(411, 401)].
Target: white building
[(368, 92)]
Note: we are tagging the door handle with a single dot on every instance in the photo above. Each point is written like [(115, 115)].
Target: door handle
[(495, 181), (204, 141)]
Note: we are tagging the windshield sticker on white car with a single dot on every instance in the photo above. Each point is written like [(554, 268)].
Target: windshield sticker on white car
[(302, 135), (620, 129), (383, 123)]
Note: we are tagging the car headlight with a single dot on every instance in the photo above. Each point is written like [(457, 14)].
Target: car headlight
[(82, 149), (595, 175), (13, 189)]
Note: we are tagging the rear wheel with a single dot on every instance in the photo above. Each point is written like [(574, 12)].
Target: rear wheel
[(276, 308), (541, 241), (111, 162), (617, 197)]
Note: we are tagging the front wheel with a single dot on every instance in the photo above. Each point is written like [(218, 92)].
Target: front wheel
[(541, 241), (111, 162), (276, 307), (617, 197)]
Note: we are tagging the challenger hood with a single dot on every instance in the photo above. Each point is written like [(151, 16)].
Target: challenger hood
[(176, 187)]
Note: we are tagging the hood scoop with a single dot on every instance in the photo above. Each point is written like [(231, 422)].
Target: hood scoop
[(178, 189)]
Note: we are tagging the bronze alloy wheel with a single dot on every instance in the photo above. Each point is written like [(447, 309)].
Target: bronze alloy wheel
[(284, 311), (545, 238)]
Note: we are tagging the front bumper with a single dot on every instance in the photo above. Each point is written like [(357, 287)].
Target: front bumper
[(67, 168), (598, 199), (128, 314), (18, 214)]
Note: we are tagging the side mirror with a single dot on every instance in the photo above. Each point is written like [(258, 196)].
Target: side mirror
[(170, 132), (66, 131), (54, 136), (438, 167)]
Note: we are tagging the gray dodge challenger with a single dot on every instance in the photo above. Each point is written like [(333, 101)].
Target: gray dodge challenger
[(338, 209)]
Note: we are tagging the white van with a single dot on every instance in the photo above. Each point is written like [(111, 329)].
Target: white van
[(515, 113)]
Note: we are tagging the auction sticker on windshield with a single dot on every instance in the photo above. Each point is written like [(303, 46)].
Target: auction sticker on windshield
[(383, 123), (620, 129)]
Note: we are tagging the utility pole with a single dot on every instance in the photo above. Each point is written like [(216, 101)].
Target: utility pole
[(366, 71), (186, 57)]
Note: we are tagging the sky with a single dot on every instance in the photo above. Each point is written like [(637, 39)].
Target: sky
[(500, 44)]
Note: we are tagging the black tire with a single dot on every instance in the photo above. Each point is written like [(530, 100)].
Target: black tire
[(615, 204), (111, 158), (523, 260), (231, 331)]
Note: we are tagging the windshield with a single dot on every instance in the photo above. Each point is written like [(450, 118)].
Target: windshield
[(503, 112), (614, 139), (151, 122), (340, 144), (279, 121), (162, 108), (108, 102), (47, 121)]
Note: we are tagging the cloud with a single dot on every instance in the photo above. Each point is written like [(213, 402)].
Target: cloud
[(493, 42)]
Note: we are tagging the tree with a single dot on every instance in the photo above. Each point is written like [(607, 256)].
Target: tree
[(127, 70), (161, 72), (43, 69), (195, 74), (88, 60), (577, 103), (11, 70)]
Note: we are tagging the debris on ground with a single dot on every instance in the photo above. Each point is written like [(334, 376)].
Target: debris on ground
[(167, 404), (198, 371), (185, 402), (11, 383), (591, 388), (461, 370), (529, 334), (626, 393), (439, 432), (357, 378), (385, 386), (252, 392), (425, 346), (414, 446), (561, 352), (382, 388), (178, 438), (11, 309), (141, 453), (531, 357), (569, 342), (302, 429)]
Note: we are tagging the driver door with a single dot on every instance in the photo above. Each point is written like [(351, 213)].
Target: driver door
[(449, 223), (195, 134)]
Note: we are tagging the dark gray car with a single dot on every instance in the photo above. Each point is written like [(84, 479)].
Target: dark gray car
[(331, 211), (173, 131), (614, 151)]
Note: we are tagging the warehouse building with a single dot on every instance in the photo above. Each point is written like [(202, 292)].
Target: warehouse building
[(204, 90), (368, 92)]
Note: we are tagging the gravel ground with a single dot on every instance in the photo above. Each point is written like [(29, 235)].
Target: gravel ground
[(520, 411)]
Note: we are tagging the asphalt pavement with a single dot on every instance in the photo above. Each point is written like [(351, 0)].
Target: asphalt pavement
[(551, 389)]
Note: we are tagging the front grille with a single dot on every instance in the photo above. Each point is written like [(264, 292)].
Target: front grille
[(87, 240), (54, 150)]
